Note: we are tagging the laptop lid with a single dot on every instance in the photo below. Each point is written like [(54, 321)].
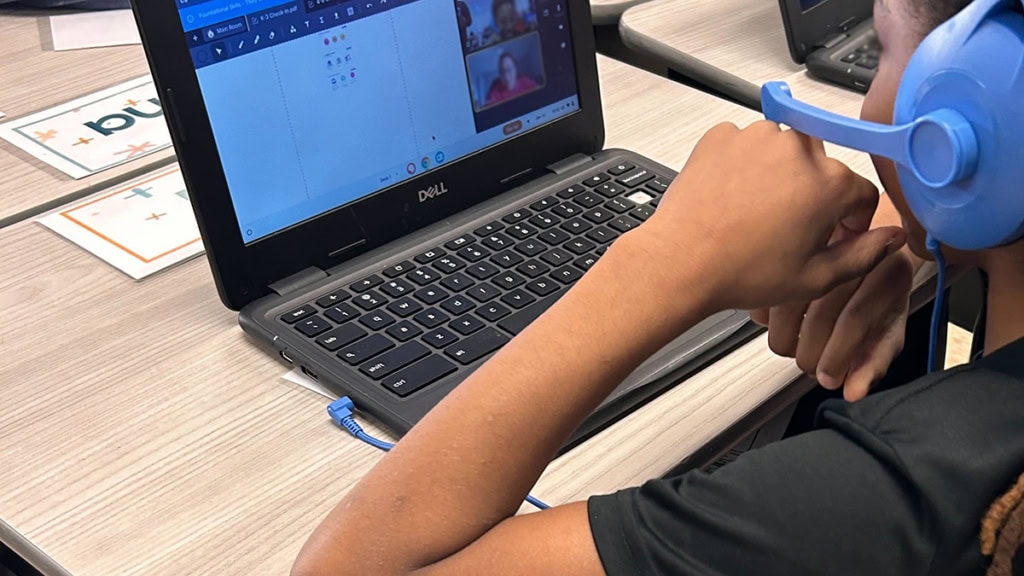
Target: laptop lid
[(311, 131), (810, 24)]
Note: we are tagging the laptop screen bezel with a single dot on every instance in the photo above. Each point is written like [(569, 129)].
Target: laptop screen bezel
[(244, 272), (806, 31)]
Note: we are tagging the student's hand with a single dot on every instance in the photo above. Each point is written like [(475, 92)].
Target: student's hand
[(754, 211)]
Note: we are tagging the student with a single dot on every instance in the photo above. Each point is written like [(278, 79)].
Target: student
[(897, 483), (509, 83), (507, 19)]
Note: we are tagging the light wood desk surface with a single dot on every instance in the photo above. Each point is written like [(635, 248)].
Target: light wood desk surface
[(605, 12), (34, 77), (143, 434)]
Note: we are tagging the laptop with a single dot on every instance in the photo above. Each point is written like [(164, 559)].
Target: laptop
[(390, 190), (835, 39)]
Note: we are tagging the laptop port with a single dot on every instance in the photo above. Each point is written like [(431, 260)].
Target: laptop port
[(286, 357), (310, 373)]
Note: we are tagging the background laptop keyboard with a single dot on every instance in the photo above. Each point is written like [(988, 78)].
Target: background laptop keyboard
[(415, 322), (864, 55)]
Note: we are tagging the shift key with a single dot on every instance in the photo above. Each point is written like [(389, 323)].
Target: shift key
[(394, 360), (476, 346), (418, 375)]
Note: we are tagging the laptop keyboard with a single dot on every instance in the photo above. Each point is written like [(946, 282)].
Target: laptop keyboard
[(417, 321), (865, 55)]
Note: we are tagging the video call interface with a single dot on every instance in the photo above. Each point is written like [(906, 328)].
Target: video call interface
[(317, 103)]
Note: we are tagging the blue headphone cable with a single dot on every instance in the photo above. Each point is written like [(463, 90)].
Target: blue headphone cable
[(940, 301), (341, 413)]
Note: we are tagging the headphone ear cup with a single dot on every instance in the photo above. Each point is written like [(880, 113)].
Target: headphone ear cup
[(977, 69)]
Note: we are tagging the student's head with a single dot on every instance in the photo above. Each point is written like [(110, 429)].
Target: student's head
[(508, 70), (902, 25), (505, 16)]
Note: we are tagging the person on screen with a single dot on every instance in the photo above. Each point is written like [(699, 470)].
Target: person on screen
[(507, 19), (509, 83), (916, 480), (465, 19)]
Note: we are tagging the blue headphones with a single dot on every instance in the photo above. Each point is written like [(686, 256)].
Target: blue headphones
[(958, 133)]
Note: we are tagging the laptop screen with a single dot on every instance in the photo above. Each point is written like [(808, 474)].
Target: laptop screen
[(315, 104)]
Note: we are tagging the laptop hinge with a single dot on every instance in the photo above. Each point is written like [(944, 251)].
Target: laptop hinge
[(571, 163), (298, 281)]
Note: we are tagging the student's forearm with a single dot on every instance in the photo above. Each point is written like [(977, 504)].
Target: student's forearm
[(489, 441)]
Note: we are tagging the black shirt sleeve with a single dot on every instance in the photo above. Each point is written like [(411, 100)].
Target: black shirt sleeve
[(827, 502)]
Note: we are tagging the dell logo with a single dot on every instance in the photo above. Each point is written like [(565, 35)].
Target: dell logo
[(433, 191)]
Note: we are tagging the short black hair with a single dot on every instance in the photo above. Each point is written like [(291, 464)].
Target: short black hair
[(932, 13)]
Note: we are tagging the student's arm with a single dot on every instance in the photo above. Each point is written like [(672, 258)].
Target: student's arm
[(747, 224)]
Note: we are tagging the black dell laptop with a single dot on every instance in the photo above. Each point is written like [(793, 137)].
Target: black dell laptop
[(391, 190), (835, 39)]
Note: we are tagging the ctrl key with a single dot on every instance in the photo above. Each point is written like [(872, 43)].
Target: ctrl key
[(419, 375)]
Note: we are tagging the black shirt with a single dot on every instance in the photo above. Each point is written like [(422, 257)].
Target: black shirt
[(894, 484)]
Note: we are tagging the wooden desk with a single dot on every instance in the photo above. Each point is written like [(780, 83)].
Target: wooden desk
[(142, 432), (34, 77)]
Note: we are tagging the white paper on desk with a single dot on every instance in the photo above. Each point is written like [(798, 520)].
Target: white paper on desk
[(295, 376), (139, 228), (94, 30), (95, 132)]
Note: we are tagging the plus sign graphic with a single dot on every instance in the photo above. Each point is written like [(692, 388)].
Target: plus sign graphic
[(45, 136), (134, 150), (141, 192), (131, 102), (82, 141), (155, 216)]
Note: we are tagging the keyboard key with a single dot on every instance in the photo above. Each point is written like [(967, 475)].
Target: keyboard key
[(567, 210), (635, 177), (498, 241), (599, 215), (397, 288), (554, 237), (521, 231), (659, 184), (313, 326), (332, 299), (377, 320), (602, 250), (542, 287), (489, 229), (429, 256), (405, 307), (430, 295), (570, 192), (518, 298), (404, 331), (642, 213), (424, 276), (850, 58), (298, 314), (449, 264), (579, 246), (618, 205), (370, 300), (466, 325), (602, 235), (557, 257), (585, 263), (867, 62), (458, 242), (507, 259), (597, 179), (440, 338), (365, 349), (508, 280), (518, 322), (457, 282), (457, 305), (483, 292), (567, 274), (517, 216), (621, 168), (482, 270), (342, 313), (394, 360), (533, 268), (544, 204), (365, 284), (640, 198), (399, 269), (473, 253), (623, 224), (492, 312), (590, 200), (476, 346), (421, 374), (342, 336), (530, 248), (543, 221), (609, 190), (431, 317)]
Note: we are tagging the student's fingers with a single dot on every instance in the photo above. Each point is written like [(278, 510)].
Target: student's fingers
[(853, 199), (819, 325), (852, 258), (874, 366), (784, 328), (761, 316)]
